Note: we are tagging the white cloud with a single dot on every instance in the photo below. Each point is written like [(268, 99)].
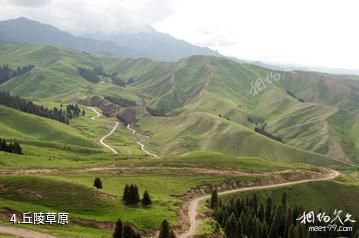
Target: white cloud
[(30, 3), (80, 16), (319, 33)]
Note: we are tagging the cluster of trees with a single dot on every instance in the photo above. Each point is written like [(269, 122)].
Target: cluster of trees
[(27, 106), (89, 74), (10, 147), (156, 112), (126, 230), (268, 134), (249, 218), (6, 73), (73, 110), (131, 196), (118, 81), (294, 96), (121, 101), (93, 75)]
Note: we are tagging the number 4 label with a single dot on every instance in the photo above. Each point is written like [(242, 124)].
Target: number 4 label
[(13, 218)]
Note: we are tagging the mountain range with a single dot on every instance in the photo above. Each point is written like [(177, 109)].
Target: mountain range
[(202, 103), (150, 44)]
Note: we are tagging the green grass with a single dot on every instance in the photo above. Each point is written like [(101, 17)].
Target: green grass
[(327, 195), (24, 126), (75, 194), (70, 230), (197, 89), (193, 92)]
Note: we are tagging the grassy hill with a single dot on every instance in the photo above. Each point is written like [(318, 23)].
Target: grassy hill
[(27, 127), (342, 193), (204, 103), (45, 142), (197, 114)]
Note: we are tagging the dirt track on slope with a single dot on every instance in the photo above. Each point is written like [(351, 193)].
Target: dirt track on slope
[(192, 209), (24, 233), (109, 134), (141, 144)]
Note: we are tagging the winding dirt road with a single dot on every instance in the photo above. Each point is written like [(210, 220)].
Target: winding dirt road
[(192, 210), (25, 233), (141, 144), (105, 136)]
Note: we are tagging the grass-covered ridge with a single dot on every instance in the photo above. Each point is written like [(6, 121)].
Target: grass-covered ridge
[(207, 96)]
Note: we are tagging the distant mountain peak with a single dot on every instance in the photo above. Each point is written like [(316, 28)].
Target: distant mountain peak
[(141, 41)]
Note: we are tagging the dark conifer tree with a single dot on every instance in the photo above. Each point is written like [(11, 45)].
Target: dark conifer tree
[(291, 232), (165, 230), (118, 229), (135, 194), (268, 211), (131, 195), (146, 200), (126, 194), (128, 231), (261, 213), (276, 223), (97, 183), (214, 199), (284, 200), (29, 107), (10, 147), (230, 227)]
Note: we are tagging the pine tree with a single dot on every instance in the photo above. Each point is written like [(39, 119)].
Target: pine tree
[(128, 231), (275, 226), (126, 194), (284, 200), (146, 200), (131, 195), (214, 199), (301, 230), (17, 148), (291, 232), (97, 183), (165, 230), (254, 203), (268, 211), (356, 234), (239, 228), (230, 227), (118, 229), (136, 195), (261, 213)]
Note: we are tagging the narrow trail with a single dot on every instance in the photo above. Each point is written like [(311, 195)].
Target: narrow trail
[(133, 131), (192, 209), (105, 136), (24, 233)]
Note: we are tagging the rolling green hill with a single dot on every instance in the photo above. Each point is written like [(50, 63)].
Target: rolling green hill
[(204, 103), (27, 127)]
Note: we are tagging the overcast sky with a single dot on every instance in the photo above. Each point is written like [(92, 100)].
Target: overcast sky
[(306, 32)]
